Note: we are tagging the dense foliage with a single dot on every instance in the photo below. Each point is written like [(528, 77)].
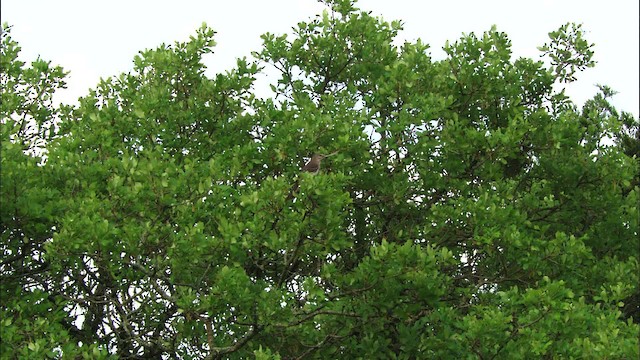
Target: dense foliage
[(469, 210)]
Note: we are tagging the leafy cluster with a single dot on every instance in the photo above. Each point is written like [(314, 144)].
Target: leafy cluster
[(469, 208)]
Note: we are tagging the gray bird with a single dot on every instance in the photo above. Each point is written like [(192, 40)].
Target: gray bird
[(313, 166)]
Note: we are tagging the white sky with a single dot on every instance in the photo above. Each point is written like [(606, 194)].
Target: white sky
[(99, 39)]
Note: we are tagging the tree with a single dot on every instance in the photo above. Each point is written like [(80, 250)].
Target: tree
[(471, 210)]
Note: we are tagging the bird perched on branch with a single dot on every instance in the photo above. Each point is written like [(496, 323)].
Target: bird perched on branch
[(313, 165)]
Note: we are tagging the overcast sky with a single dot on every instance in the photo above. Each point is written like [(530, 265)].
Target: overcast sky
[(99, 39)]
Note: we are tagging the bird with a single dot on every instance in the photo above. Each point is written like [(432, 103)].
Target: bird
[(313, 165)]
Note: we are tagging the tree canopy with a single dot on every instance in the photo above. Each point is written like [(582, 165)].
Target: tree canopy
[(467, 207)]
